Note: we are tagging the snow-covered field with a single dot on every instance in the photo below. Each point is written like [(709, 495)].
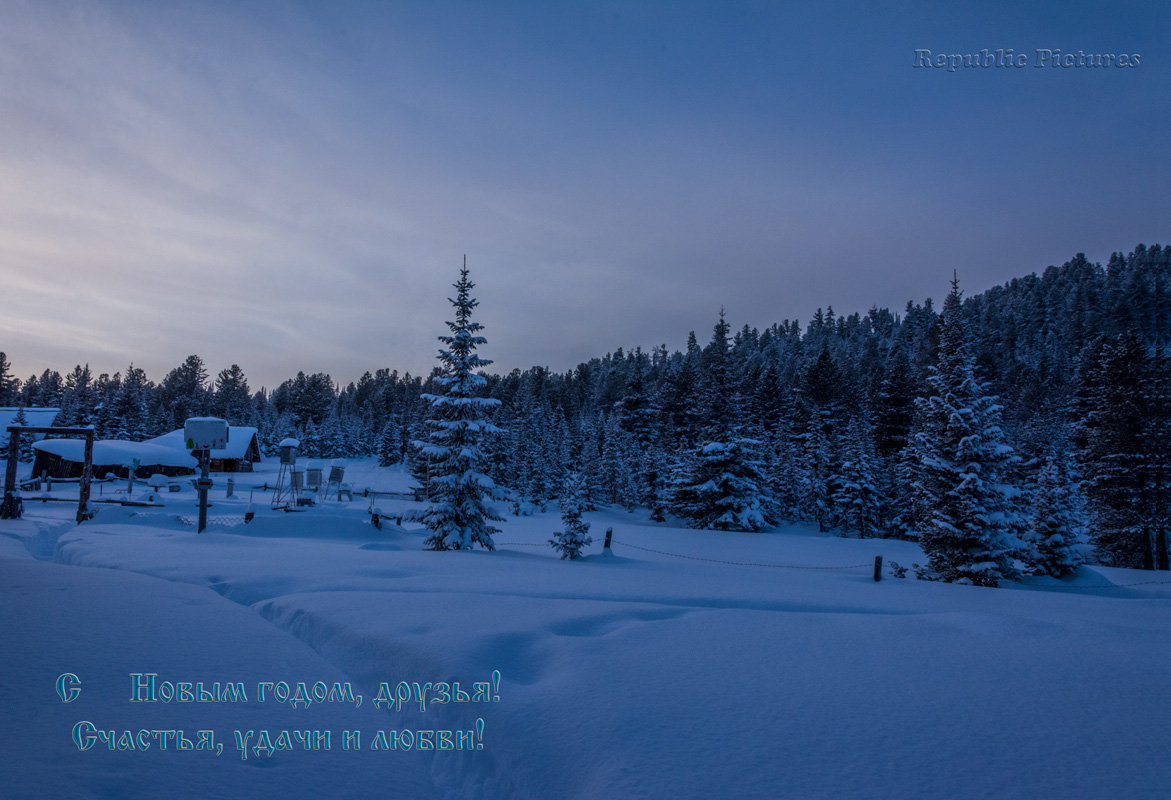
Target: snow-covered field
[(628, 674)]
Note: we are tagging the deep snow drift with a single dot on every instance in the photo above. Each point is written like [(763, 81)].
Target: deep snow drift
[(629, 674)]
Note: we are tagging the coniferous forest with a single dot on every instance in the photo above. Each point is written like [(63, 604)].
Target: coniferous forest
[(1023, 428)]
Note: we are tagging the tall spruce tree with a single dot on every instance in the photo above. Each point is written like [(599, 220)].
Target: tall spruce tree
[(459, 516), (26, 453), (636, 412), (723, 487), (183, 392), (1157, 399), (80, 398), (390, 443), (1125, 457), (858, 494), (418, 461), (815, 478), (896, 405), (967, 528), (1057, 524), (232, 399), (128, 406), (653, 483), (8, 384)]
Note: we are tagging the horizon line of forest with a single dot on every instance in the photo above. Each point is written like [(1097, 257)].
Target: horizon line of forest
[(1075, 358)]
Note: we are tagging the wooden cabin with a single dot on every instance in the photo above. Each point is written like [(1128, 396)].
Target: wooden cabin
[(64, 458), (242, 452)]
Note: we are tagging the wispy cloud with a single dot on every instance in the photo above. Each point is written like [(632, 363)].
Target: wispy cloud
[(293, 187)]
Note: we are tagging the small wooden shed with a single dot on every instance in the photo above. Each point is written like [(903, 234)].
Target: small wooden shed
[(242, 452), (64, 458)]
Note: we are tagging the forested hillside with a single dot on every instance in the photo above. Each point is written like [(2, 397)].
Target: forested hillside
[(850, 421)]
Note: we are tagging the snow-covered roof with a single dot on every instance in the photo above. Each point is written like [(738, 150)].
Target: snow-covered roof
[(116, 451), (33, 416), (289, 442), (239, 438)]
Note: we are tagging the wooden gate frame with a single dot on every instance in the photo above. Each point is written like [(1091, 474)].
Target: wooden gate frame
[(10, 508)]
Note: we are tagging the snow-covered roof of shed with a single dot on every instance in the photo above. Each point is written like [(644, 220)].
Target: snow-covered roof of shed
[(34, 416), (116, 451), (238, 439)]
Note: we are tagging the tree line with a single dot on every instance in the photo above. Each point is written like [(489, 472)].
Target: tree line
[(1030, 417)]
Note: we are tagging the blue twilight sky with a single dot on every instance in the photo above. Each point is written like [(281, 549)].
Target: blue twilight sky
[(292, 185)]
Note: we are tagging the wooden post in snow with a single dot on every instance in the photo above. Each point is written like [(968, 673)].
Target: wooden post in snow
[(10, 507), (87, 471)]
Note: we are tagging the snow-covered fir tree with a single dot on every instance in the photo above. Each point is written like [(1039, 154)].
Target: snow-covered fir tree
[(723, 487), (50, 389), (1056, 526), (821, 404), (555, 442), (1125, 455), (390, 443), (908, 507), (858, 496), (589, 461), (895, 405), (126, 409), (816, 478), (619, 469), (543, 484), (310, 438), (575, 533), (358, 433), (275, 428), (653, 483), (231, 398), (459, 516), (419, 462), (1157, 394), (332, 439), (636, 412), (967, 529), (183, 392), (782, 472), (80, 398), (9, 385), (26, 454)]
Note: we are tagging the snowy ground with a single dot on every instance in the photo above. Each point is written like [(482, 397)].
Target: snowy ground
[(626, 675)]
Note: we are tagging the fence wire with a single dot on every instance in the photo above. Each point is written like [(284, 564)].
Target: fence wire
[(868, 565), (614, 541)]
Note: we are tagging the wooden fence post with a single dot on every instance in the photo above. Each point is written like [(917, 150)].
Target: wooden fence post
[(87, 471), (10, 508)]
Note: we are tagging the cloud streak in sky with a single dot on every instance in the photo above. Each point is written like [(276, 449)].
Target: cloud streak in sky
[(293, 187)]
